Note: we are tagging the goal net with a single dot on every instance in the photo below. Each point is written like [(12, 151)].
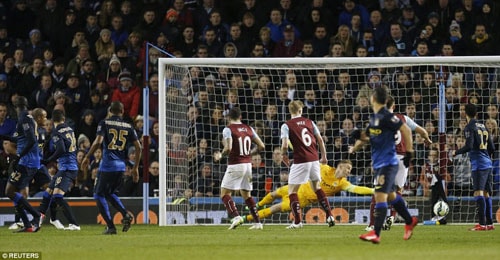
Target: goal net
[(195, 95)]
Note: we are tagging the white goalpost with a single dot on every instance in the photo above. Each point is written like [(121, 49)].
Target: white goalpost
[(194, 94)]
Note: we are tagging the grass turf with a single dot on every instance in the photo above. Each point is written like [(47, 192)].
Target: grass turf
[(274, 242)]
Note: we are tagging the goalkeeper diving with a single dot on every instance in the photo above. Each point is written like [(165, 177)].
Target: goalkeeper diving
[(333, 181)]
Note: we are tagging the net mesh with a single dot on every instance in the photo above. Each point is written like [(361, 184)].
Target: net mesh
[(336, 97)]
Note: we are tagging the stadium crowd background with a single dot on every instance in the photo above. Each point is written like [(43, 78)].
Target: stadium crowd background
[(80, 55)]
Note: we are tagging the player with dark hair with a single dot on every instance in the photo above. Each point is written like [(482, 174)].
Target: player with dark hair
[(114, 136), (237, 139), (64, 141), (304, 136), (382, 128), (333, 181), (403, 164), (42, 178), (25, 169), (480, 146)]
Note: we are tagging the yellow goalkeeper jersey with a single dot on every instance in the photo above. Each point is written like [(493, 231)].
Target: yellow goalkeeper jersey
[(331, 185)]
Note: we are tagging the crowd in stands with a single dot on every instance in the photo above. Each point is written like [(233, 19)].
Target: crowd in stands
[(80, 55)]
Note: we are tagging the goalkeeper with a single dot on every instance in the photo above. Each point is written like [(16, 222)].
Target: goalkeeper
[(333, 180)]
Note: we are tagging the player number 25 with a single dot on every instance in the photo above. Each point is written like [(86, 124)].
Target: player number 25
[(117, 136)]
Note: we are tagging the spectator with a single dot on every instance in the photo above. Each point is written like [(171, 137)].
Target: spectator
[(171, 27), (5, 89), (107, 9), (118, 33), (148, 25), (128, 94), (277, 25), (259, 175), (91, 29), (351, 7), (79, 38), (130, 18), (154, 177), (320, 40), (267, 41), (187, 43), (7, 125), (34, 47), (206, 185), (213, 45), (249, 27), (49, 22), (185, 15), (241, 41), (462, 180), (290, 45), (44, 91), (481, 42), (74, 65), (20, 20), (31, 78), (104, 48), (399, 39), (344, 37)]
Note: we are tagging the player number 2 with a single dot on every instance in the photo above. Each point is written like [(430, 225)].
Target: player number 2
[(245, 144), (306, 137)]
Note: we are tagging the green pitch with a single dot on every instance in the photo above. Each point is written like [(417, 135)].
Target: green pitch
[(274, 242)]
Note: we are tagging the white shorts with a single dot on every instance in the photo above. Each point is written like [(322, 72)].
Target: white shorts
[(238, 177), (303, 172), (402, 173)]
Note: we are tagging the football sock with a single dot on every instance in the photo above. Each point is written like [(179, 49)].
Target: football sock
[(103, 207), (372, 212), (380, 214), (253, 209), (295, 206), (400, 206), (323, 201), (481, 208), (68, 213), (489, 211), (45, 204), (17, 217), (53, 210), (117, 203), (26, 205), (23, 216), (268, 199), (230, 206)]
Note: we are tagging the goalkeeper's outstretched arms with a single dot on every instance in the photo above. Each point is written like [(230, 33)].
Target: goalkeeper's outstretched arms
[(362, 190)]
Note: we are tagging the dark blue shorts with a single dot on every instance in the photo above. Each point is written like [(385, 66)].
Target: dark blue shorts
[(21, 177), (42, 176), (107, 183), (385, 178), (63, 180), (481, 180)]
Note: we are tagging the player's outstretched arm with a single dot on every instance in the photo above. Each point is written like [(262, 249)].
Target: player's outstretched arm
[(362, 141), (362, 190), (96, 144)]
